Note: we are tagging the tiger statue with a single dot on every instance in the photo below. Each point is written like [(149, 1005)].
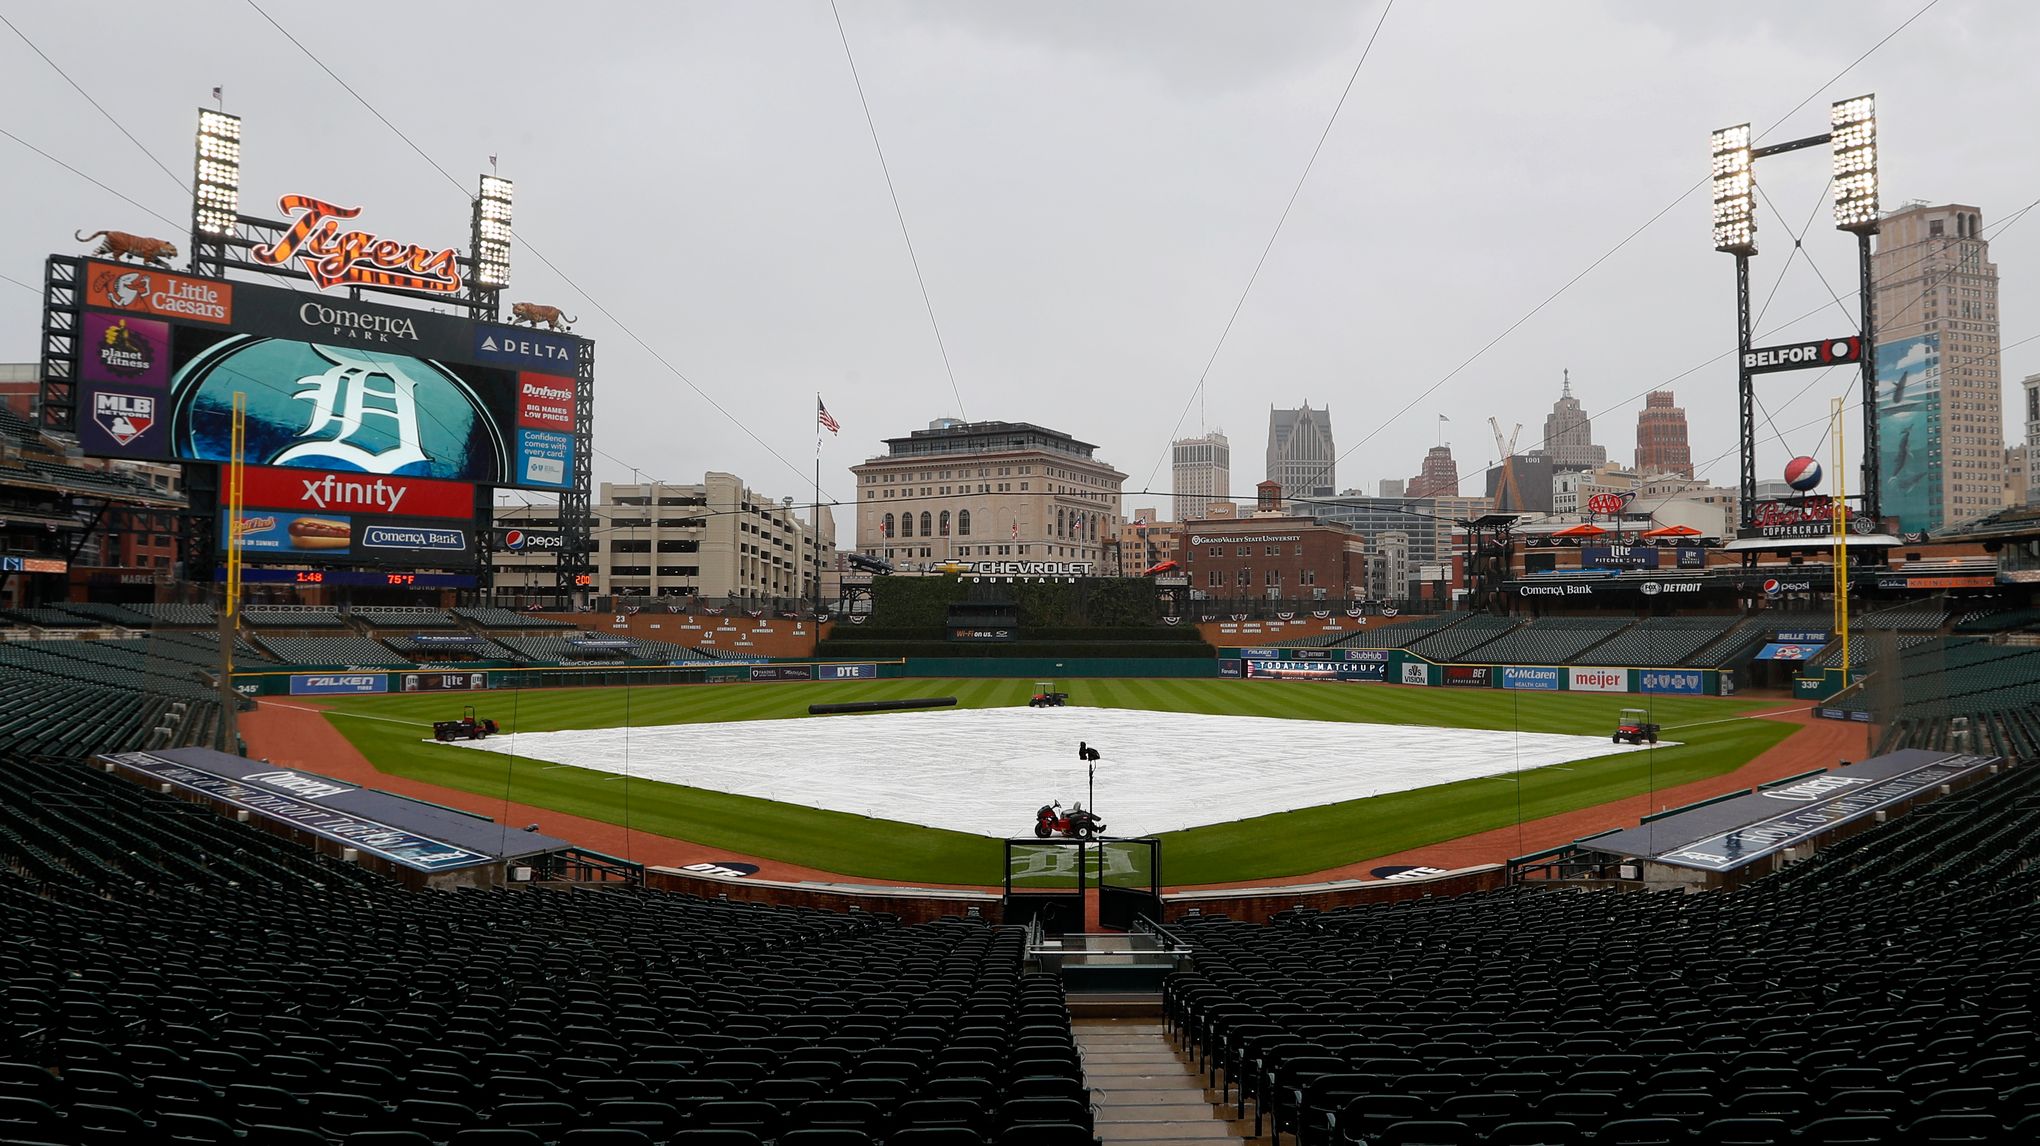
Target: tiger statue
[(535, 313), (121, 245)]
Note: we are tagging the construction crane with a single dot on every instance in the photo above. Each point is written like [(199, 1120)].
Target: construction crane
[(1507, 499)]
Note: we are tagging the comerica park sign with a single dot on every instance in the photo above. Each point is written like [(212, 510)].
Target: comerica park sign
[(1803, 355)]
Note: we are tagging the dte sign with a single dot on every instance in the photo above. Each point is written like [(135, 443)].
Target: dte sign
[(846, 672)]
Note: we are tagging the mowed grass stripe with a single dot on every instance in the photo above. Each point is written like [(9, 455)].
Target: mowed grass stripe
[(1288, 843)]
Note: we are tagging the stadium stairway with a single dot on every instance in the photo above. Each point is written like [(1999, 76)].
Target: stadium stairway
[(1144, 1092)]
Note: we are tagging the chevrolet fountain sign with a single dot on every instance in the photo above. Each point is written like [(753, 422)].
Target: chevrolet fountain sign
[(1025, 570)]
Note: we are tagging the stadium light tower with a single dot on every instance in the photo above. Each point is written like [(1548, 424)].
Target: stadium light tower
[(492, 233), (1733, 159), (216, 179), (1853, 128)]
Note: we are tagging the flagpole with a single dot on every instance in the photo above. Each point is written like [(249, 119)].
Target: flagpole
[(815, 514)]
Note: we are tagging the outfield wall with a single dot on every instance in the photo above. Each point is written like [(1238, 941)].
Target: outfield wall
[(1047, 668), (1398, 666)]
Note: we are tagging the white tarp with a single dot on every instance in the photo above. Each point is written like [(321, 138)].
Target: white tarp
[(985, 771)]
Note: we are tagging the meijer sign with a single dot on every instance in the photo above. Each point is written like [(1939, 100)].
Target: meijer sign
[(1599, 680)]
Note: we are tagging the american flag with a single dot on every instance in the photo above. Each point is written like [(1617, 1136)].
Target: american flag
[(827, 420)]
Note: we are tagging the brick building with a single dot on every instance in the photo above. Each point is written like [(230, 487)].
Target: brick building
[(1661, 442), (1291, 558)]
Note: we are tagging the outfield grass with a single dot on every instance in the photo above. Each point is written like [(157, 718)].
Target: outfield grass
[(389, 731)]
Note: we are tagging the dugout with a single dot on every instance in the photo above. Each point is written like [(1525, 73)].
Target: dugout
[(418, 844)]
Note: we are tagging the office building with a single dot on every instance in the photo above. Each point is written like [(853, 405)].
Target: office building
[(1425, 522), (1940, 401), (974, 491), (1661, 444), (1569, 434), (1282, 558), (1521, 484), (1388, 566), (1439, 477), (2032, 388), (1146, 541), (1392, 487), (2018, 489), (1201, 470), (1301, 456), (715, 539)]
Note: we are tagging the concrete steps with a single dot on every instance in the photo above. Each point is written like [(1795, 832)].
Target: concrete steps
[(1145, 1093)]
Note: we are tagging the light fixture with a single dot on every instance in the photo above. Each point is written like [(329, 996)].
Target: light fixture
[(216, 177), (1854, 132), (1735, 191), (492, 232)]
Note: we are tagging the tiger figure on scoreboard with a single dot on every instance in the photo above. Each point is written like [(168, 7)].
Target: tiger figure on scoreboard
[(141, 248), (535, 313)]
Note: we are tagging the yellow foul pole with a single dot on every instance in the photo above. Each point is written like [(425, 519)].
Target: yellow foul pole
[(229, 736), (1839, 508)]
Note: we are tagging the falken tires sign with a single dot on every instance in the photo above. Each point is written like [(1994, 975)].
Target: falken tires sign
[(338, 684)]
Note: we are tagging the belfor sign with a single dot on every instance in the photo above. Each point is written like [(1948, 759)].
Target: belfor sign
[(1803, 355)]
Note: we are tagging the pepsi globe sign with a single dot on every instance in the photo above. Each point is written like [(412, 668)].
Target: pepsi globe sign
[(1803, 474)]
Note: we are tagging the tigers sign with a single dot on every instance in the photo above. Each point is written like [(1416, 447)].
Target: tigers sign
[(332, 257)]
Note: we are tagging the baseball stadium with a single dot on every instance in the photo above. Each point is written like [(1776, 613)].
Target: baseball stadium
[(372, 775)]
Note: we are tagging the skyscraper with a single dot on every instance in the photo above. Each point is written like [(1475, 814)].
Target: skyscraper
[(2032, 385), (1301, 457), (1569, 434), (1440, 476), (1940, 400), (1200, 473), (1661, 445)]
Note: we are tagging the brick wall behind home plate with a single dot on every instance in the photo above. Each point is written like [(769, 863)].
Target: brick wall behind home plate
[(733, 632)]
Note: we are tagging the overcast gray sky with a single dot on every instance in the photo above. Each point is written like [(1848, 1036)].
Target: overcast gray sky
[(1088, 185)]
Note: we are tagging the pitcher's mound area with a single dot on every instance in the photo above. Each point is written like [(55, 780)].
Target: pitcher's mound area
[(984, 771)]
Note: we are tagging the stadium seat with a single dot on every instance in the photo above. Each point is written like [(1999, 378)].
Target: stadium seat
[(1535, 1134)]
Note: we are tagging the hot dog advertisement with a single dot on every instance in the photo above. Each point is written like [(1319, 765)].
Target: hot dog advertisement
[(272, 532), (276, 536)]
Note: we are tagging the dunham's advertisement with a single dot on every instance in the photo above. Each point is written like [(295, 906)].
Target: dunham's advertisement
[(1909, 417)]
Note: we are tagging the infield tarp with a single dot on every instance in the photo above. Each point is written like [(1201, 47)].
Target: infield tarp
[(418, 835), (1728, 834)]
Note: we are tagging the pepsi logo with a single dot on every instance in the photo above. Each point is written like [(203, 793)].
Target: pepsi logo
[(513, 539)]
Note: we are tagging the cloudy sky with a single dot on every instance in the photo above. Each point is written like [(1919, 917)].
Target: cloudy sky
[(1088, 186)]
